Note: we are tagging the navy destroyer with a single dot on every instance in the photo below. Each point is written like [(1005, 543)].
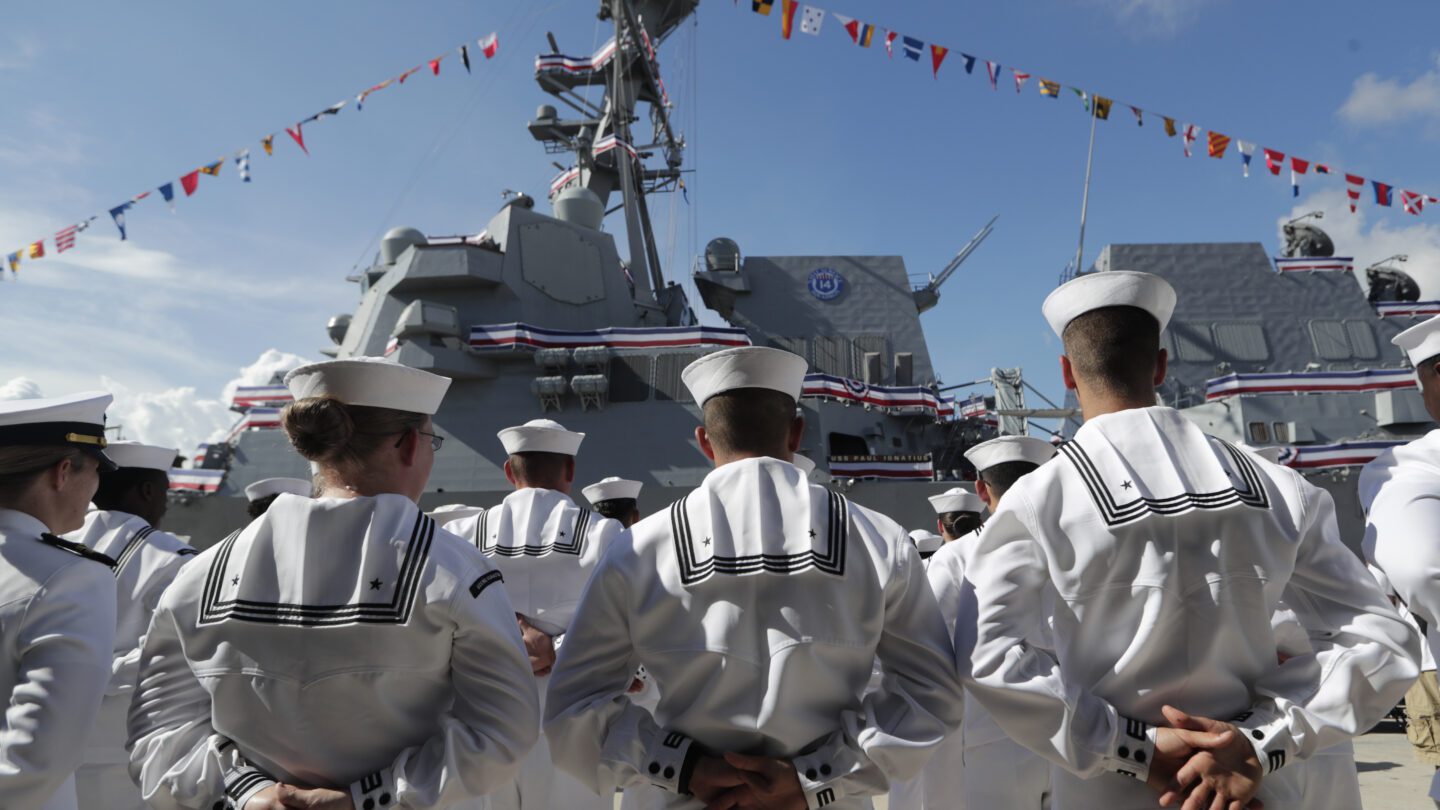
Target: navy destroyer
[(539, 315)]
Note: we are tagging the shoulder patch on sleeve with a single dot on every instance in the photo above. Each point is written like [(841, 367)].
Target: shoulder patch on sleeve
[(484, 581), (78, 549)]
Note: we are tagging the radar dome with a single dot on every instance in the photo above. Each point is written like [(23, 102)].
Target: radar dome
[(396, 241), (722, 254), (578, 205), (337, 327)]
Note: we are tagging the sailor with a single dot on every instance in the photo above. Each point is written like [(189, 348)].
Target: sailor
[(57, 598), (456, 518), (978, 763), (758, 603), (262, 493), (1166, 552), (615, 498), (926, 543), (546, 546), (339, 651), (1400, 493), (124, 526), (957, 513)]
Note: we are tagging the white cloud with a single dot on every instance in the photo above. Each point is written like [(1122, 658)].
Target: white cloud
[(1374, 101), (1370, 242), (173, 417), (1156, 17), (20, 54), (20, 388)]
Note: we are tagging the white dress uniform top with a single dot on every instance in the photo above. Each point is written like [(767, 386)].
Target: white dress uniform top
[(1168, 552), (546, 546), (57, 622), (342, 643), (1400, 493), (266, 487), (759, 604), (980, 764), (146, 560)]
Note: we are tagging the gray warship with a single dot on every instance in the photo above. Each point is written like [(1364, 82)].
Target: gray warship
[(539, 316)]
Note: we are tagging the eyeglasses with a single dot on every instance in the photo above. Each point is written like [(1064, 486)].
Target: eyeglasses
[(435, 441)]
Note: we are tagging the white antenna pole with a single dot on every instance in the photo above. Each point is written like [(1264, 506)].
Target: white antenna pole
[(1085, 199)]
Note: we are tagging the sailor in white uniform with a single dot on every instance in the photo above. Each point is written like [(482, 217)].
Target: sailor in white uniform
[(1000, 773), (57, 598), (456, 518), (342, 651), (1400, 492), (758, 603), (926, 543), (958, 512), (546, 546), (262, 493), (616, 498), (124, 526), (1168, 552)]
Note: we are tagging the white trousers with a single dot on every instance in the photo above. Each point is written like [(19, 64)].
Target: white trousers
[(1004, 775), (107, 786), (542, 786), (1329, 779)]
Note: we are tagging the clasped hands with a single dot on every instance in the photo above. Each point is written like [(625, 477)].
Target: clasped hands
[(290, 797), (740, 782), (1206, 763)]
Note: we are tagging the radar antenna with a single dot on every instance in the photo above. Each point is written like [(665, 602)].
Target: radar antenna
[(607, 157)]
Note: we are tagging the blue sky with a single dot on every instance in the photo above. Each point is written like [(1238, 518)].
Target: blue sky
[(800, 147)]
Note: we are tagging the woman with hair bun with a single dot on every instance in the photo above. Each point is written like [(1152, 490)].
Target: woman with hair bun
[(340, 652), (57, 598)]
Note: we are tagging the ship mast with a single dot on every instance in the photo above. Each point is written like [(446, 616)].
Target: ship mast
[(607, 157)]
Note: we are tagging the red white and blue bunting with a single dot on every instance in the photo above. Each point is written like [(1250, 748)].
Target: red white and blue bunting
[(250, 396), (196, 480), (1407, 309), (1321, 456), (525, 336), (908, 468), (1310, 382), (1304, 264), (254, 419), (576, 65), (826, 386)]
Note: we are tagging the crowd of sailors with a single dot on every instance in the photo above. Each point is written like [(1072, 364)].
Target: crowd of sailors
[(1143, 616)]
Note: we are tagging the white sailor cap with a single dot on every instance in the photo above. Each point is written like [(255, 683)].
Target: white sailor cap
[(541, 436), (266, 487), (371, 381), (77, 419), (454, 511), (1009, 448), (1420, 342), (804, 463), (745, 367), (1110, 288), (141, 456), (926, 542), (612, 488), (956, 500)]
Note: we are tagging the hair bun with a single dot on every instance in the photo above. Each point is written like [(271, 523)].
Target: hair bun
[(319, 427)]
